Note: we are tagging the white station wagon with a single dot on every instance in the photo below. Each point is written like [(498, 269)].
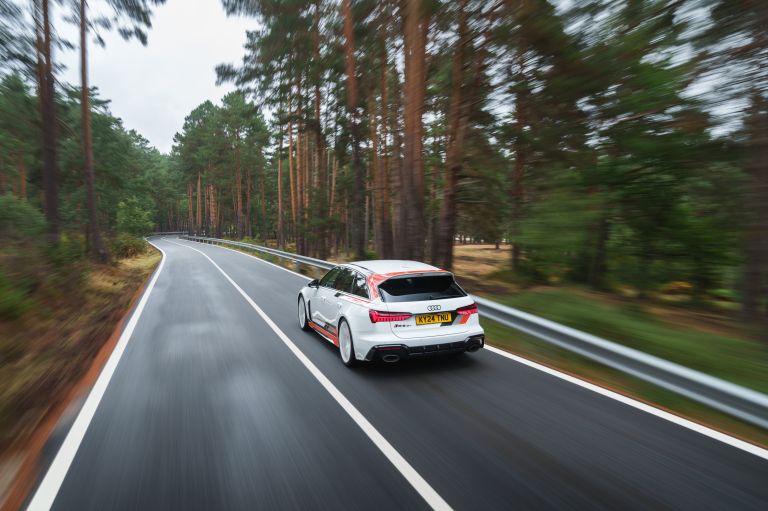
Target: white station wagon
[(389, 311)]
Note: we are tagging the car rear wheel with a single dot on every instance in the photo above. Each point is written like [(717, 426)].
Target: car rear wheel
[(303, 321), (346, 345)]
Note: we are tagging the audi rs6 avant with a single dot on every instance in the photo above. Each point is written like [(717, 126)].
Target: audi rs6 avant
[(389, 311)]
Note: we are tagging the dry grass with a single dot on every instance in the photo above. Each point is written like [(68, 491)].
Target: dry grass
[(473, 263), (54, 343), (478, 267)]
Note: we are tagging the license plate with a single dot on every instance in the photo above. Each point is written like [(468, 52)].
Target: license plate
[(431, 319)]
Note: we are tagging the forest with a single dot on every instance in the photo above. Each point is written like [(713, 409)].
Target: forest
[(602, 164), (618, 144), (56, 137)]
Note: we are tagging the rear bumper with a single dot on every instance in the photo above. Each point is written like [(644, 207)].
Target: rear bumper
[(394, 352)]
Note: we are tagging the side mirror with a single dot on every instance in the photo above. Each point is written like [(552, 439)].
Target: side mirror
[(314, 283)]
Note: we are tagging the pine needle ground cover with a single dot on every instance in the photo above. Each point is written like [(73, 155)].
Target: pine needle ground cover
[(57, 312)]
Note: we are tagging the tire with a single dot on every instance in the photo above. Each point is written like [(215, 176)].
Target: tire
[(302, 315), (348, 348)]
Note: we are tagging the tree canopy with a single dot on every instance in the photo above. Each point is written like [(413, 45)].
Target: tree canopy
[(615, 143)]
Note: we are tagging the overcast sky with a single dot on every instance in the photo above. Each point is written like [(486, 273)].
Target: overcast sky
[(153, 88)]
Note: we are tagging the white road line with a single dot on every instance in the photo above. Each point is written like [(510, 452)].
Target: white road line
[(409, 473), (49, 487), (662, 414)]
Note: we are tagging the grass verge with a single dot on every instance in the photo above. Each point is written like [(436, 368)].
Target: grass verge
[(694, 341)]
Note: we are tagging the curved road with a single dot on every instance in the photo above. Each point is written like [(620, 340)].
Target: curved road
[(215, 399)]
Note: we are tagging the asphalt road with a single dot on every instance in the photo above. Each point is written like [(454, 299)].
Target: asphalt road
[(210, 408)]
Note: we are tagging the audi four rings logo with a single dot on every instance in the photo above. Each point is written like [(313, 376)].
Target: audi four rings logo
[(433, 308)]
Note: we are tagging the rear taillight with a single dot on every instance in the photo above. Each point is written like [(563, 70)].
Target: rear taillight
[(379, 316), (466, 311)]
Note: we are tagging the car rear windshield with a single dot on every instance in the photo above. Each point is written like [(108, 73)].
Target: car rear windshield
[(419, 288)]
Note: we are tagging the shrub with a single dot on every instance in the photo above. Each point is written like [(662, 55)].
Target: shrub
[(69, 250), (13, 301), (133, 217), (125, 245), (19, 218), (677, 287)]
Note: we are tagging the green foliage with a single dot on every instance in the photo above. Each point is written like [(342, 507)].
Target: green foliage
[(126, 245), (69, 251), (584, 141), (19, 218), (13, 301), (125, 163), (220, 143), (133, 217), (557, 229)]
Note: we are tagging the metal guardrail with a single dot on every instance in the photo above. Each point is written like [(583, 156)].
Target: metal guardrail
[(295, 258), (746, 404), (167, 233)]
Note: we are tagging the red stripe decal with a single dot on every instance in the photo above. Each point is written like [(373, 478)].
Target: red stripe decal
[(334, 339)]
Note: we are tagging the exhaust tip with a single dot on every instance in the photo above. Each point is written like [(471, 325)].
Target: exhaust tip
[(391, 358)]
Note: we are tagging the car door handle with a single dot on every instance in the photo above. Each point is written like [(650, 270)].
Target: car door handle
[(338, 294)]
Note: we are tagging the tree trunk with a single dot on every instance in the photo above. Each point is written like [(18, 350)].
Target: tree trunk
[(22, 168), (306, 182), (262, 204), (199, 217), (334, 171), (367, 217), (280, 228), (433, 229), (219, 216), (48, 114), (291, 177), (383, 198), (248, 205), (321, 177), (238, 191), (206, 215), (518, 173), (189, 209), (458, 117), (98, 249), (300, 238), (213, 210), (756, 232), (415, 38), (378, 190), (3, 183), (358, 228), (396, 181)]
